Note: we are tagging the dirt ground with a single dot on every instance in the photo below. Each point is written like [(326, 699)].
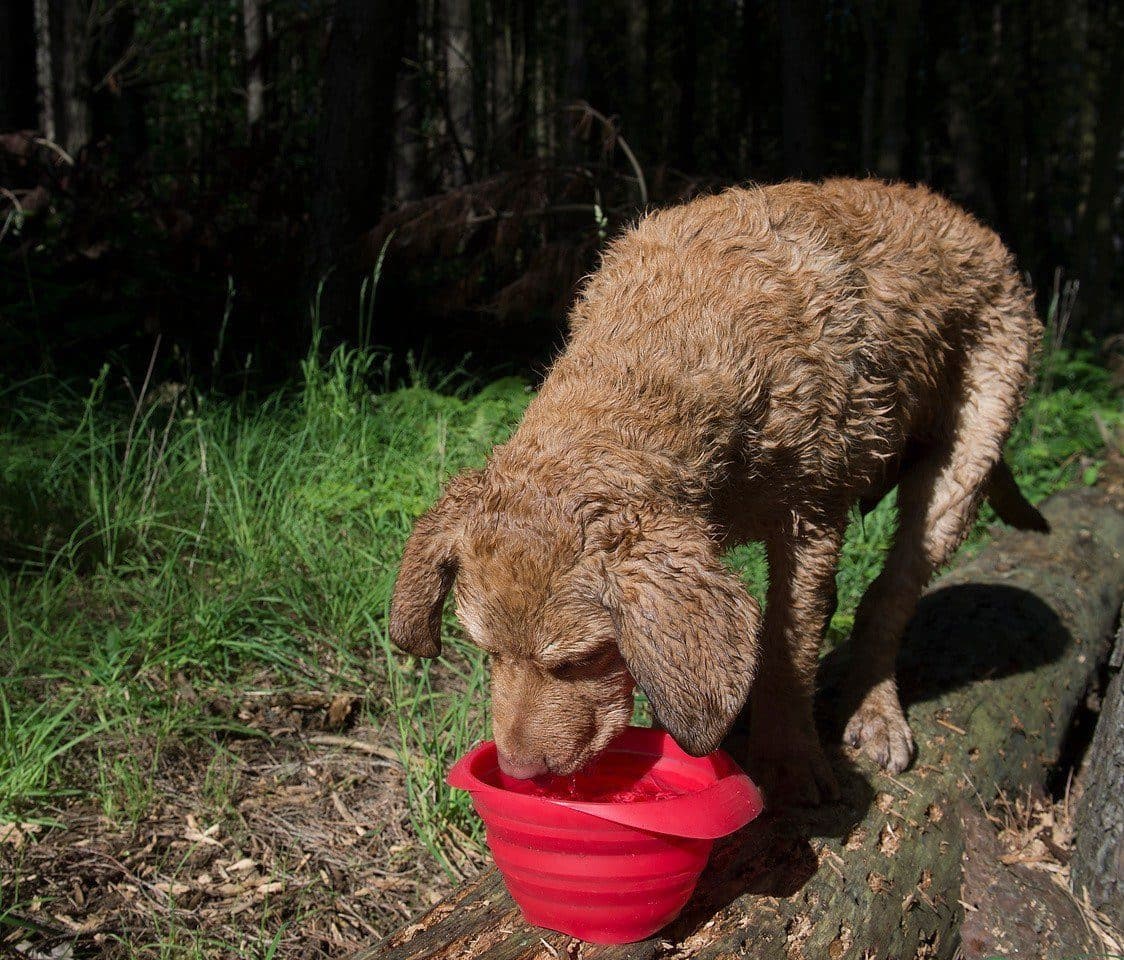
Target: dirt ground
[(296, 845)]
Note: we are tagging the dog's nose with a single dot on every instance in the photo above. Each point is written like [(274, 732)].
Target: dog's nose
[(521, 770)]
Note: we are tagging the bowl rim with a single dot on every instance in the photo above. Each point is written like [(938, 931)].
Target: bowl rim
[(721, 808)]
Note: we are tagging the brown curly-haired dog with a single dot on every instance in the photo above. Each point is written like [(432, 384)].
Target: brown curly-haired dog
[(747, 366)]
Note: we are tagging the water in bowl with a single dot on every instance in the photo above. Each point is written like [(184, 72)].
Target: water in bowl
[(606, 782)]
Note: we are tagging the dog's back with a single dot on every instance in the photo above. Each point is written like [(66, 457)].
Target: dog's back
[(821, 325)]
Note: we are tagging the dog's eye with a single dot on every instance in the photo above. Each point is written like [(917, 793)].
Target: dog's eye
[(581, 666)]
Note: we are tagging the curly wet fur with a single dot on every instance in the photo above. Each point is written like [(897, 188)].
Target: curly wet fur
[(746, 366)]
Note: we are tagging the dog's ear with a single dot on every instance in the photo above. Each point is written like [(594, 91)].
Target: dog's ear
[(685, 625), (429, 565)]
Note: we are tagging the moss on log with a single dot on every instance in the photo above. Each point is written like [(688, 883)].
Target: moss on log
[(992, 670)]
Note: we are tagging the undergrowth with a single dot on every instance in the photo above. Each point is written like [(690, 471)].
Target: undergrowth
[(187, 539)]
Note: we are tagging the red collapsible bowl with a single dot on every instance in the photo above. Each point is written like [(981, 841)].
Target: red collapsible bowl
[(610, 872)]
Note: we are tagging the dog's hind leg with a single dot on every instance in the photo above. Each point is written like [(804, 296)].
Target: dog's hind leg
[(937, 501)]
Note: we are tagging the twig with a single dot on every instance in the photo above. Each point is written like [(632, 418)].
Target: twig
[(347, 743), (51, 145), (898, 783), (642, 185), (951, 726), (477, 218)]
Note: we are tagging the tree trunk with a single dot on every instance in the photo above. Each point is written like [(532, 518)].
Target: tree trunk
[(1095, 238), (686, 77), (575, 79), (895, 86), (994, 665), (17, 66), (503, 92), (749, 86), (70, 39), (409, 183), (868, 15), (650, 131), (1098, 864), (636, 30), (964, 125), (355, 138), (456, 16), (802, 75), (253, 31), (44, 70), (971, 186), (523, 140)]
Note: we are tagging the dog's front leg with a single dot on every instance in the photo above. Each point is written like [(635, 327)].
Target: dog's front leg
[(784, 749)]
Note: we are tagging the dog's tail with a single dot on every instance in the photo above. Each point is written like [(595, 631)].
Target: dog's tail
[(1007, 500)]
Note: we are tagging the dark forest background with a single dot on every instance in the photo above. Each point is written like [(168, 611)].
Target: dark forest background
[(226, 173), (217, 429)]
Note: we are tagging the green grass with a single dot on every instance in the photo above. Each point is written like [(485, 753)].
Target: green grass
[(216, 543), (208, 542)]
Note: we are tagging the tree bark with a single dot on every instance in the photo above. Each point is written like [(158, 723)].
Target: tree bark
[(802, 76), (353, 146), (895, 86), (503, 29), (651, 131), (71, 38), (409, 183), (1094, 236), (1098, 863), (636, 59), (253, 32), (686, 77), (868, 14), (17, 66), (459, 98), (970, 185), (575, 79), (62, 49), (993, 667), (1019, 911), (750, 94), (44, 71)]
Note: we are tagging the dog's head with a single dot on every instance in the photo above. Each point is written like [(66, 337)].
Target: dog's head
[(577, 604)]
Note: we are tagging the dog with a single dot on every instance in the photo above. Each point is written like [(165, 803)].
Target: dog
[(748, 366)]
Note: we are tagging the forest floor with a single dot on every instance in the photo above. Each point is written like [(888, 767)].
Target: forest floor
[(207, 746)]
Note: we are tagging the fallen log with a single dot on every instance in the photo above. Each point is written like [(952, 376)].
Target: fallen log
[(1017, 911), (1098, 863), (992, 669)]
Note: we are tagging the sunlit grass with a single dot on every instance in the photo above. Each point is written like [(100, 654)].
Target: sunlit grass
[(209, 540)]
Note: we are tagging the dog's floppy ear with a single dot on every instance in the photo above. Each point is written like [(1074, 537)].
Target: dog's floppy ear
[(685, 625), (429, 565)]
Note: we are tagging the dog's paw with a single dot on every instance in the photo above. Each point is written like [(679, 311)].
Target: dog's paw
[(880, 729), (801, 778)]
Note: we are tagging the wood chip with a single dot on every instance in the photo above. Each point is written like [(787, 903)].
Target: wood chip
[(951, 726)]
